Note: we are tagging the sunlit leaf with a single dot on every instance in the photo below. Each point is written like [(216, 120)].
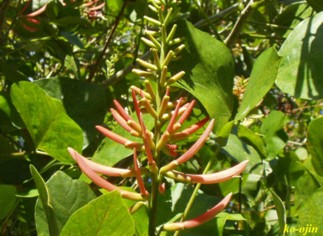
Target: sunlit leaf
[(315, 144), (67, 196), (261, 80), (209, 72), (51, 129), (106, 215), (46, 201), (300, 70)]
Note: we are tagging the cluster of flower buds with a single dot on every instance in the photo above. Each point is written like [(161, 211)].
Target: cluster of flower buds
[(159, 147)]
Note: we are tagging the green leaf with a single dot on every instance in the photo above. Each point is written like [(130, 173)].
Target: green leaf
[(45, 198), (46, 120), (315, 144), (281, 211), (223, 217), (67, 196), (239, 150), (300, 70), (85, 103), (209, 72), (7, 199), (105, 215), (253, 138), (261, 80), (311, 212), (272, 129)]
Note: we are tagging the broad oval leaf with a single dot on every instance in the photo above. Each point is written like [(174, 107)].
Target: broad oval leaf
[(261, 80), (106, 215), (51, 129), (209, 72), (46, 201), (67, 196), (300, 71), (315, 144), (85, 103)]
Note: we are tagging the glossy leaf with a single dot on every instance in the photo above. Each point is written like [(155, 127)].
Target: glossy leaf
[(209, 72), (46, 201), (106, 215), (51, 129), (300, 70), (261, 80), (67, 196), (315, 141)]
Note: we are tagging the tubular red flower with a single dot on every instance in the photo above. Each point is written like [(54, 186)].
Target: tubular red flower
[(37, 12), (102, 169), (191, 151), (174, 116), (186, 113), (209, 215), (101, 182), (209, 178), (98, 7), (121, 111), (120, 120), (186, 132), (141, 184), (117, 138)]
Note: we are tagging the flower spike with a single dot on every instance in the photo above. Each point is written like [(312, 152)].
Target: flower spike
[(191, 151), (207, 216), (101, 182), (209, 178)]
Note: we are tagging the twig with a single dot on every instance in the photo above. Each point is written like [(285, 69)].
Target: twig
[(217, 16), (245, 13), (101, 55)]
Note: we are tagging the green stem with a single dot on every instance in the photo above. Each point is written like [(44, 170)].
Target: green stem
[(196, 189), (109, 40), (153, 206)]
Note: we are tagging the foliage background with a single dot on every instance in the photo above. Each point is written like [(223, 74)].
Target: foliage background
[(254, 66)]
